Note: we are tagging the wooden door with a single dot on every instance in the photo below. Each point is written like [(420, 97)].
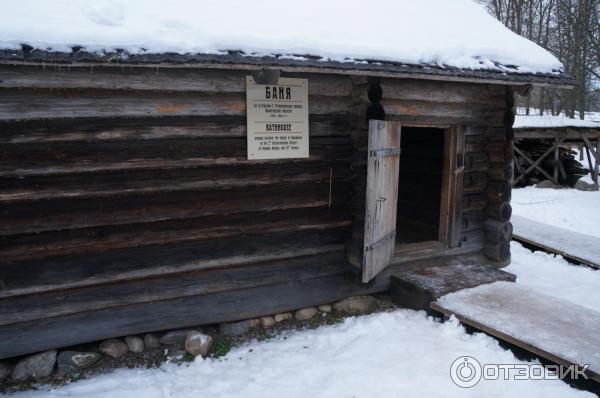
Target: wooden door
[(383, 167)]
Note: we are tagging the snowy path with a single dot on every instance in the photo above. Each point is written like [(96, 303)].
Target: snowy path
[(537, 322), (552, 275), (581, 247), (565, 208)]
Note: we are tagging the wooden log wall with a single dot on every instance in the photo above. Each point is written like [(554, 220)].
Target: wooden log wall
[(499, 149), (128, 204), (480, 110)]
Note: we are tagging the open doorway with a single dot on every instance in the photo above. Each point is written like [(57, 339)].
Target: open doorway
[(420, 185)]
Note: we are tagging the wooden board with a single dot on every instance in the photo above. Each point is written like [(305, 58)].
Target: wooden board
[(383, 168), (569, 244), (555, 329)]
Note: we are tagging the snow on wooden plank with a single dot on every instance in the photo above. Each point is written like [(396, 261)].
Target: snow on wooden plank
[(548, 121), (569, 244), (555, 329)]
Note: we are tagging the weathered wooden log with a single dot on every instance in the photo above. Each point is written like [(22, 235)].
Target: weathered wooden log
[(474, 202), (473, 237), (475, 111), (500, 171), (59, 303), (474, 182), (67, 272), (496, 135), (358, 122), (141, 129), (27, 104), (472, 221), (494, 117), (114, 237), (499, 153), (497, 252), (105, 184), (152, 79), (500, 211), (498, 231), (421, 90), (498, 191), (476, 161), (58, 214), (42, 159), (39, 335)]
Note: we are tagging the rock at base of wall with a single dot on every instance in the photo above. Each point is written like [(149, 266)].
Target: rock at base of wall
[(198, 343), (151, 341), (325, 308), (114, 348), (267, 321), (73, 362), (175, 337), (254, 323), (305, 313), (34, 367), (233, 329), (135, 344), (284, 316), (5, 371), (356, 305)]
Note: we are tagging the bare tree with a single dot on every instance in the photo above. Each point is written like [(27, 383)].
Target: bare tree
[(570, 29)]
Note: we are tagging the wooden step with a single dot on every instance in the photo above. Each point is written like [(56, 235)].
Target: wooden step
[(418, 287)]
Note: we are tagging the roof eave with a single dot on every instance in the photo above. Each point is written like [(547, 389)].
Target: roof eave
[(236, 60)]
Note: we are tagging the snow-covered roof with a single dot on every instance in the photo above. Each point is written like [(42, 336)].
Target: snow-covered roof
[(547, 121), (438, 33)]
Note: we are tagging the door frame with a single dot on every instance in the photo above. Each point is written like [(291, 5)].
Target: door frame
[(449, 226)]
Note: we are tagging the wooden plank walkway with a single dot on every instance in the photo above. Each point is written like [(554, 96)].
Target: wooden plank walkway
[(554, 329), (571, 245)]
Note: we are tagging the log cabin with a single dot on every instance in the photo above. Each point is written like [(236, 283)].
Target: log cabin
[(130, 202)]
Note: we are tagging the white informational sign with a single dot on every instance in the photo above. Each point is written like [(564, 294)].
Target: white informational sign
[(277, 119)]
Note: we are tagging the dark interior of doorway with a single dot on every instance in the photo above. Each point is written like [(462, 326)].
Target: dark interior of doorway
[(420, 185)]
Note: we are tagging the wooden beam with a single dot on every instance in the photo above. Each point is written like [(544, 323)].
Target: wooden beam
[(597, 166), (355, 70), (589, 151), (590, 147), (556, 159), (535, 165)]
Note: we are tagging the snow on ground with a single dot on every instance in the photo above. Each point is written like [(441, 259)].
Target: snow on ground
[(552, 275), (571, 209), (458, 33), (397, 354), (549, 121)]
